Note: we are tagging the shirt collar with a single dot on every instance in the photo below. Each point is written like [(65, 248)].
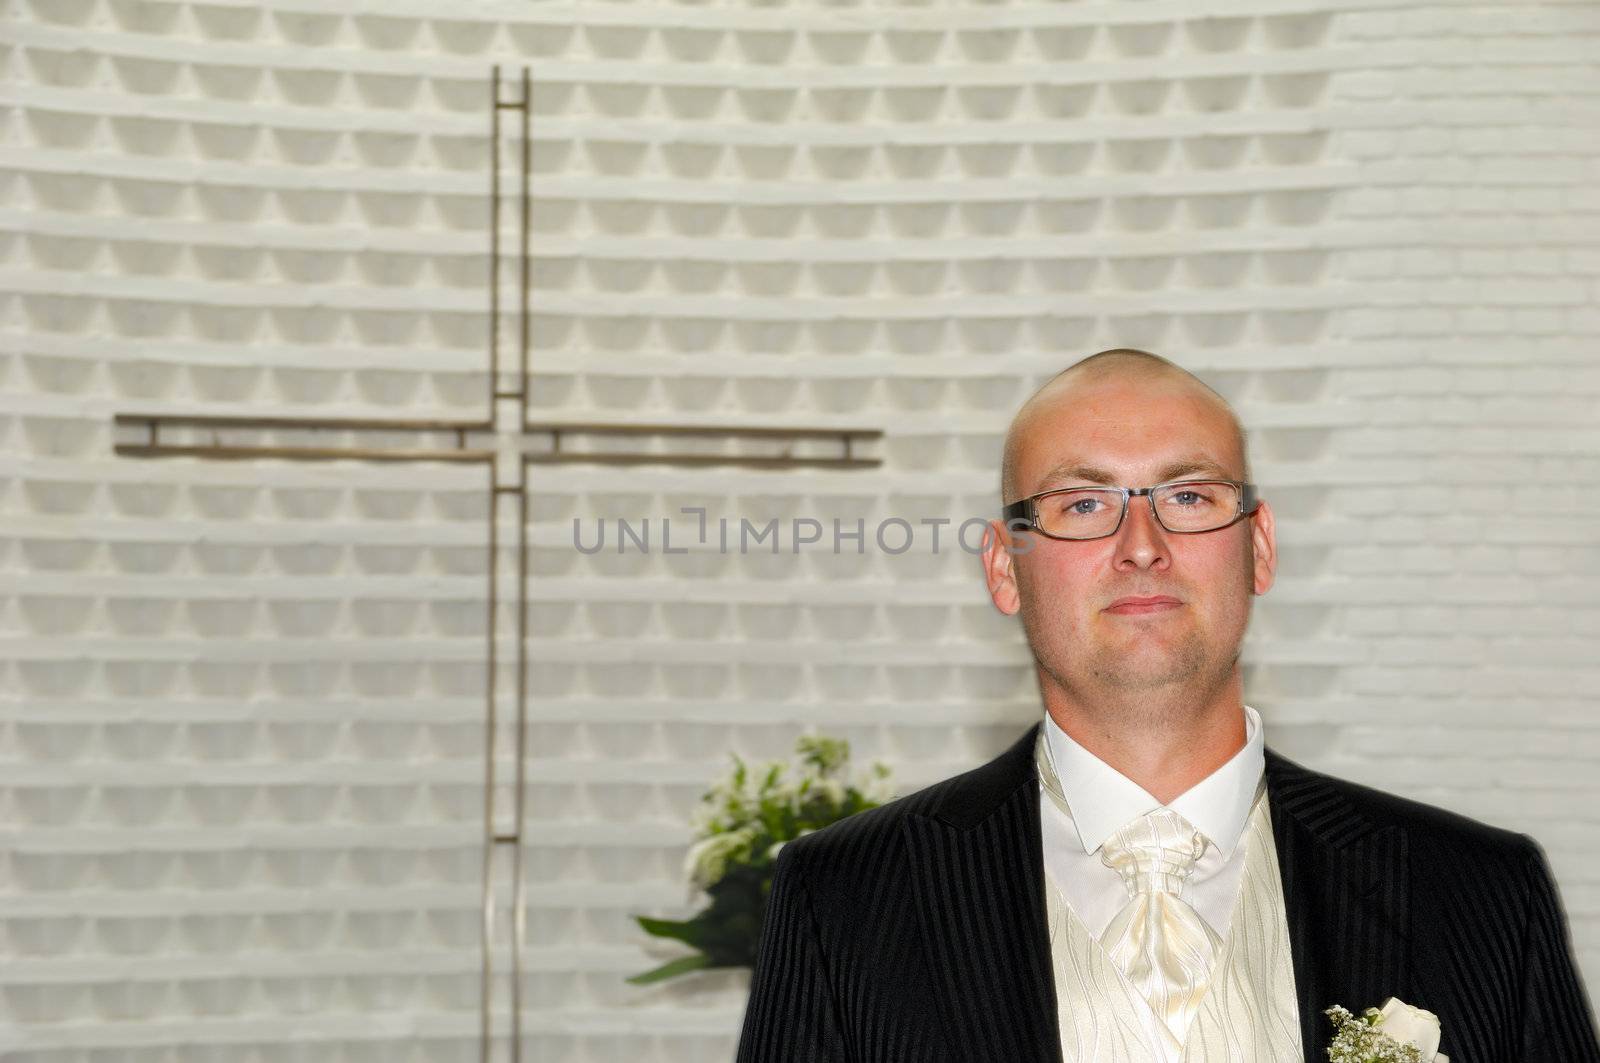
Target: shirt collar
[(1103, 800)]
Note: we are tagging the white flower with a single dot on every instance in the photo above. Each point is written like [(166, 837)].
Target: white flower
[(833, 790), (707, 859), (1412, 1025)]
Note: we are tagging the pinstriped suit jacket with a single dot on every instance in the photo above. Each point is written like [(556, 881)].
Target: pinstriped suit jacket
[(915, 932)]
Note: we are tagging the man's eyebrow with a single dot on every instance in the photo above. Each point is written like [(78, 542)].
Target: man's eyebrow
[(1079, 472)]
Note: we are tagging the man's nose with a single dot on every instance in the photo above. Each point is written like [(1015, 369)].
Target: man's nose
[(1141, 542)]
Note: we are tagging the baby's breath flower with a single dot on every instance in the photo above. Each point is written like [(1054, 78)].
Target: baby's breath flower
[(1360, 1039)]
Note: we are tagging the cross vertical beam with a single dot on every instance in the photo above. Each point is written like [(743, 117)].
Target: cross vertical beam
[(507, 412)]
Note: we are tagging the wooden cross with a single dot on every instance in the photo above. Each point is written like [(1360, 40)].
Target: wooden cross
[(504, 442)]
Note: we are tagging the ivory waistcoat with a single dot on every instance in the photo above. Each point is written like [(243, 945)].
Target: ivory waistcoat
[(1249, 1013)]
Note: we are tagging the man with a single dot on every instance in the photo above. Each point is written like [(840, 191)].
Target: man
[(1138, 877)]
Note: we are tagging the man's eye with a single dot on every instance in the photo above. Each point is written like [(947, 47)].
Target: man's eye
[(1084, 505), (1190, 497)]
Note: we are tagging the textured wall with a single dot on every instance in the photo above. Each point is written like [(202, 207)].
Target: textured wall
[(240, 758)]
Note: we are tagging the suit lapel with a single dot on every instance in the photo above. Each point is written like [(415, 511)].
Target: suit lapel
[(1346, 896), (977, 864)]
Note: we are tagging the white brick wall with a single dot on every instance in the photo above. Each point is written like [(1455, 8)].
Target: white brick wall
[(1468, 255), (242, 722)]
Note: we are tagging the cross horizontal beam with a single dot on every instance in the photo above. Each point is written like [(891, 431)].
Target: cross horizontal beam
[(478, 440)]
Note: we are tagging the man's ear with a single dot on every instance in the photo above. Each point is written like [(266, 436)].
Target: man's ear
[(1264, 541), (999, 570)]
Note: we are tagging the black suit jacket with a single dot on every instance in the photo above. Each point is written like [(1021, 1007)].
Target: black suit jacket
[(915, 932)]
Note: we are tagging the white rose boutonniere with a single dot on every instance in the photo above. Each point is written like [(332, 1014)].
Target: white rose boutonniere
[(1396, 1033)]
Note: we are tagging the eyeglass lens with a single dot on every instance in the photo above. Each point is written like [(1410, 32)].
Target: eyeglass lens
[(1089, 512)]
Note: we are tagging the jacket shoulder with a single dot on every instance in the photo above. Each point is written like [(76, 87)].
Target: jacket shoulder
[(1430, 828), (870, 844)]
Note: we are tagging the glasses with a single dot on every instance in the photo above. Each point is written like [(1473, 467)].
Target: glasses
[(1183, 506)]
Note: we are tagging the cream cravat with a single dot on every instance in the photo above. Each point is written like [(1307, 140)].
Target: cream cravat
[(1158, 940)]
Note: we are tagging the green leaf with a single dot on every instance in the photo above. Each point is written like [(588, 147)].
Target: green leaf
[(681, 965), (676, 929)]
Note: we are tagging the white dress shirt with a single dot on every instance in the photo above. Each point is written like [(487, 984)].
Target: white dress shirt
[(1102, 800)]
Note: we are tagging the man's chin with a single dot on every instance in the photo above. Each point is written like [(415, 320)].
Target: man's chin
[(1147, 666), (1124, 680)]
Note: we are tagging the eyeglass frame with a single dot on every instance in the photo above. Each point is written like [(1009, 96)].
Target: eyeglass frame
[(1023, 514)]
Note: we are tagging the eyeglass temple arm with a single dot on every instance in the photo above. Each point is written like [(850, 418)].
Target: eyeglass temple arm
[(1018, 516)]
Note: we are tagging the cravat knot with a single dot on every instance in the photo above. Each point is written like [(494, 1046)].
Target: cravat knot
[(1158, 940), (1154, 853)]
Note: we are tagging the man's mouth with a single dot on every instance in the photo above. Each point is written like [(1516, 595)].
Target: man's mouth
[(1154, 604)]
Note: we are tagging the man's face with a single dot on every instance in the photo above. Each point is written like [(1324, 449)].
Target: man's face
[(1136, 431)]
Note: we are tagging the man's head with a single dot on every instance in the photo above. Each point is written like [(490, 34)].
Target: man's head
[(1131, 419)]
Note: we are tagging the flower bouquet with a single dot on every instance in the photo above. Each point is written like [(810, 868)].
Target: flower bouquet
[(740, 825)]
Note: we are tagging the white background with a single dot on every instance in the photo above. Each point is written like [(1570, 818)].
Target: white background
[(240, 759)]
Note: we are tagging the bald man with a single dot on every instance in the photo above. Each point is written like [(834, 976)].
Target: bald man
[(1139, 877)]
